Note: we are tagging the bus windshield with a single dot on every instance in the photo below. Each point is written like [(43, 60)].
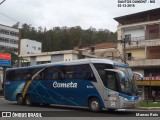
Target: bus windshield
[(128, 85)]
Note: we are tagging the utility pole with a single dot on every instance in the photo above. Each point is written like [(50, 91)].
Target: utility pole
[(123, 42), (150, 87), (124, 49)]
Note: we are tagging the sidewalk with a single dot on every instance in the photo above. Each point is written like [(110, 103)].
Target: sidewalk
[(149, 108)]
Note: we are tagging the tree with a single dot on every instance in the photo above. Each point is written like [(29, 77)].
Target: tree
[(16, 25), (64, 38)]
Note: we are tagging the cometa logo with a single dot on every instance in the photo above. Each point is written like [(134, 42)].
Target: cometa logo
[(64, 85)]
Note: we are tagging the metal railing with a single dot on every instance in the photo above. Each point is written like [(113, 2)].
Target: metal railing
[(142, 42)]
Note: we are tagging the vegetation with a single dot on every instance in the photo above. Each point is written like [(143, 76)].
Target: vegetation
[(64, 38), (15, 58), (150, 104)]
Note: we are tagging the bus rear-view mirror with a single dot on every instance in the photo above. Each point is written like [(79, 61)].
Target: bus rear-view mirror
[(138, 76)]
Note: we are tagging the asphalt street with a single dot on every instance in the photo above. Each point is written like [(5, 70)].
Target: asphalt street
[(69, 113)]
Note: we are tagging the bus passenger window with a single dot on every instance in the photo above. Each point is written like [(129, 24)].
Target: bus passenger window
[(28, 76), (55, 76), (85, 72), (62, 73)]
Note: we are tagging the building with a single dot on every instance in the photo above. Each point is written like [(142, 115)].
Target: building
[(9, 37), (30, 47), (140, 34), (106, 50), (48, 57)]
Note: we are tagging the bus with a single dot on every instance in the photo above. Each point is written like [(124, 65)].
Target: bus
[(96, 84)]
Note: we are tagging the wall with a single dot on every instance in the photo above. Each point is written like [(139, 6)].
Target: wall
[(136, 34), (30, 47), (137, 53), (67, 57), (43, 58), (120, 28), (153, 52)]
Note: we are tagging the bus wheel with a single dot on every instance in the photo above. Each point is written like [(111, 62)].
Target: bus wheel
[(28, 100), (20, 99), (94, 105)]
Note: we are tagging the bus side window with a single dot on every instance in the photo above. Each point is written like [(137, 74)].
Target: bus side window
[(61, 73), (70, 72), (52, 73), (28, 76), (10, 75), (18, 75), (55, 75), (85, 72)]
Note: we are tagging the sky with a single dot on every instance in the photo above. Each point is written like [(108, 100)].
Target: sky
[(98, 14)]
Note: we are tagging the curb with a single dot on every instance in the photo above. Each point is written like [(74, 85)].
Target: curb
[(149, 108)]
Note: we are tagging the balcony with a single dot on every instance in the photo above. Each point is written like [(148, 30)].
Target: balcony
[(140, 42), (144, 62)]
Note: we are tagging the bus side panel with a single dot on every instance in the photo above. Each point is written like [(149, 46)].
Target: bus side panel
[(12, 88), (55, 92)]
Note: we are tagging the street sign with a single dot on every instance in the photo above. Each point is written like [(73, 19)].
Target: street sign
[(5, 59)]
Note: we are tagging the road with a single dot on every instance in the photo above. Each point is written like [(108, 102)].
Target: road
[(69, 113)]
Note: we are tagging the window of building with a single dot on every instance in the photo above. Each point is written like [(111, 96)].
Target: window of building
[(12, 33), (12, 41), (39, 48), (3, 31), (127, 38), (24, 64), (128, 56), (34, 47)]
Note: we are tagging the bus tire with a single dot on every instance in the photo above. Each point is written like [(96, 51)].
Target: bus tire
[(20, 99), (28, 100), (94, 105)]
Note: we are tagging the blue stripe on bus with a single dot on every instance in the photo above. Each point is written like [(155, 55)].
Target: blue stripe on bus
[(128, 97)]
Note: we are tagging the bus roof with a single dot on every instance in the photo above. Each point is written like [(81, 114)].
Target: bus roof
[(73, 62)]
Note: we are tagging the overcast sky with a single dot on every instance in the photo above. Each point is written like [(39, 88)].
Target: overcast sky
[(85, 13)]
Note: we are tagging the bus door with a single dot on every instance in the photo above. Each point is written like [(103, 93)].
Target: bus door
[(111, 83)]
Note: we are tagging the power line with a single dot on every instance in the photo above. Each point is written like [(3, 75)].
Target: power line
[(8, 17), (2, 2)]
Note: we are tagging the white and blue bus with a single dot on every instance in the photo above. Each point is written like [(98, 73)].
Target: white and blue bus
[(90, 83)]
